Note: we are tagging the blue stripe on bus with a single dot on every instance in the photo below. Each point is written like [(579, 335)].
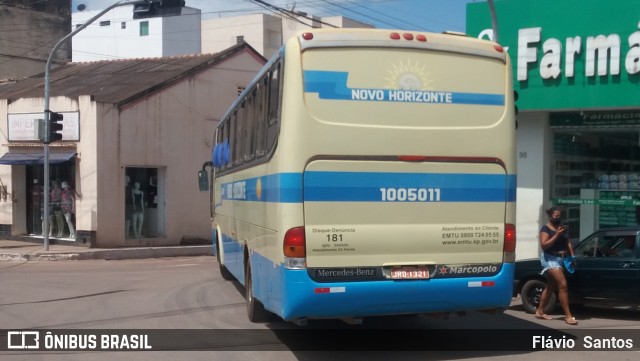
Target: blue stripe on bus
[(278, 188), (333, 85), (366, 187)]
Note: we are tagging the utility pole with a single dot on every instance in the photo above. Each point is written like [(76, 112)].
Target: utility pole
[(494, 21), (47, 112)]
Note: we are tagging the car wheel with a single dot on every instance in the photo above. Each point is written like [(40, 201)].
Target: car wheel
[(531, 293)]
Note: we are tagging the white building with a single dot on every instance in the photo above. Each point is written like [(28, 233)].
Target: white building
[(117, 35)]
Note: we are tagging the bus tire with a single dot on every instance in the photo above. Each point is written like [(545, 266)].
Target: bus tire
[(531, 293), (224, 271), (255, 310)]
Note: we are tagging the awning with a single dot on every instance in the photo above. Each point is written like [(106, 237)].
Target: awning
[(35, 158)]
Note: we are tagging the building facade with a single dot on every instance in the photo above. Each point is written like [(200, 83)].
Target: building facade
[(576, 67), (118, 35), (135, 134), (266, 33)]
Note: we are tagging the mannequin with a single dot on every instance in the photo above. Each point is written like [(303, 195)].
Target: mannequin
[(56, 194), (67, 205), (137, 196), (128, 206)]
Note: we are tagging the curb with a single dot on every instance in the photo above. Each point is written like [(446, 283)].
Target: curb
[(111, 254)]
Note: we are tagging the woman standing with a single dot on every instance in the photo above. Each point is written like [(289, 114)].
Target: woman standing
[(554, 241)]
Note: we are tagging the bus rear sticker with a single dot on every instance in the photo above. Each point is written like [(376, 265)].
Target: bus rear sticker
[(471, 235), (334, 240)]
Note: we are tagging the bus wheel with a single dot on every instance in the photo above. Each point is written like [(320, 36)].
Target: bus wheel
[(255, 309), (531, 293), (224, 271)]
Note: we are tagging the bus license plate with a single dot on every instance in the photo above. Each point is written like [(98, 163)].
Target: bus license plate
[(409, 273)]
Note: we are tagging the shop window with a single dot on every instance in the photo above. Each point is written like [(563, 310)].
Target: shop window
[(596, 177), (61, 215), (144, 202)]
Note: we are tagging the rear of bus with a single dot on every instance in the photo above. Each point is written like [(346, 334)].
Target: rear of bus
[(407, 141)]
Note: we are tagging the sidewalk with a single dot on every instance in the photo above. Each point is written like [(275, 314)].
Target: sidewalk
[(18, 251)]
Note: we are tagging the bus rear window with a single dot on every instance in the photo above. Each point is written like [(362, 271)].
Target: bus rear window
[(419, 88)]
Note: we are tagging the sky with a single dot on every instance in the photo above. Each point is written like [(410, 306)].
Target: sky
[(420, 15)]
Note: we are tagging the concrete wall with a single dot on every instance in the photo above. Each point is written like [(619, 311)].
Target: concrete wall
[(30, 29), (263, 32), (534, 153), (181, 34)]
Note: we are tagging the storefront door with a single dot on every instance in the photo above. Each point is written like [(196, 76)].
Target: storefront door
[(61, 216)]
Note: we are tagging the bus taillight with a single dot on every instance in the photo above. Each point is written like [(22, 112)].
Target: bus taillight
[(407, 36), (499, 48), (509, 238), (294, 247), (395, 36), (307, 36)]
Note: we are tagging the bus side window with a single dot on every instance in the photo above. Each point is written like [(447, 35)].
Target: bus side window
[(249, 121), (274, 94), (274, 105), (234, 139), (227, 144), (264, 115), (218, 147)]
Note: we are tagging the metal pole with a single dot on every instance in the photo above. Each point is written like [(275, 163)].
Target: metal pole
[(494, 21), (45, 228)]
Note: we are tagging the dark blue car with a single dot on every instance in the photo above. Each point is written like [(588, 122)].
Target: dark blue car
[(607, 272)]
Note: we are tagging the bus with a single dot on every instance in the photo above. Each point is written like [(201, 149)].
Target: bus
[(368, 172)]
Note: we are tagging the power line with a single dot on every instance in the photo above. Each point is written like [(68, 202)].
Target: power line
[(291, 14), (356, 12)]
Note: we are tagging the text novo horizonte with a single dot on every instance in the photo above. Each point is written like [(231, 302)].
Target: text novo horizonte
[(413, 96)]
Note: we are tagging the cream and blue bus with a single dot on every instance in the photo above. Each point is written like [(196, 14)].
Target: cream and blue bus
[(369, 172)]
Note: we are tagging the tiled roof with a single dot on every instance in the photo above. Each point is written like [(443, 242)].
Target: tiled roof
[(116, 81)]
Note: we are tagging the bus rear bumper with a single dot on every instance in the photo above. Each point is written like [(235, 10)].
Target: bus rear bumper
[(304, 298)]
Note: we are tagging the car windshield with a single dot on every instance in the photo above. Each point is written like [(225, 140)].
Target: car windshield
[(604, 244)]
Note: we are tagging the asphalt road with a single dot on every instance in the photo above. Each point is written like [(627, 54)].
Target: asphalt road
[(189, 294)]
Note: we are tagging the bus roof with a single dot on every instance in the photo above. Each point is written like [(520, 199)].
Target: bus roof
[(448, 42)]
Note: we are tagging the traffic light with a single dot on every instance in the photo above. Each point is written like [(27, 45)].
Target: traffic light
[(155, 8), (55, 126)]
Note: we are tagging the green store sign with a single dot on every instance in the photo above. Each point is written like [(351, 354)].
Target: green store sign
[(568, 54), (595, 119)]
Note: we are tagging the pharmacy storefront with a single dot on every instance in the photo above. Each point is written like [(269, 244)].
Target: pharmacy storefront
[(576, 68)]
